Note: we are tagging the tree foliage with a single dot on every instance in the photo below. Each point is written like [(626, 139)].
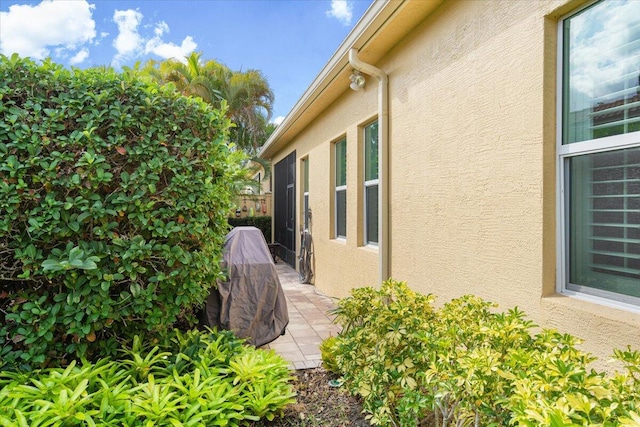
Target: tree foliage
[(113, 201), (247, 94)]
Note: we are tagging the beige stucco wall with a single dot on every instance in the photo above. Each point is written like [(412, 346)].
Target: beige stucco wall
[(471, 99), (472, 185), (340, 264)]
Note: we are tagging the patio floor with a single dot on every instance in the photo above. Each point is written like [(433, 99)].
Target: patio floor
[(309, 322)]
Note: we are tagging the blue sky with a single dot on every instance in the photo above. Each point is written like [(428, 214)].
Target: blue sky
[(288, 40)]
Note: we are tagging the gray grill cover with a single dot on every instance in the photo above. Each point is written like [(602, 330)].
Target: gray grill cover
[(251, 303)]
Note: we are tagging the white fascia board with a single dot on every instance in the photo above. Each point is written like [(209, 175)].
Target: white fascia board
[(373, 19)]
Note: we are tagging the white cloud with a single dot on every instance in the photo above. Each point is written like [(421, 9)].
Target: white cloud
[(129, 42), (79, 57), (342, 10), (34, 30), (278, 120), (161, 29), (167, 50), (100, 37), (170, 50)]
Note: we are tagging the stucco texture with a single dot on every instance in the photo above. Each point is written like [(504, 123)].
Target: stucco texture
[(472, 169)]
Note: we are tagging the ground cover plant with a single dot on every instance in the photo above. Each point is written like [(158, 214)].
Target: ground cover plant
[(114, 194), (189, 379), (468, 364)]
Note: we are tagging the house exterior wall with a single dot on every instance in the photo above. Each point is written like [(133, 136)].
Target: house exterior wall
[(334, 257), (472, 169)]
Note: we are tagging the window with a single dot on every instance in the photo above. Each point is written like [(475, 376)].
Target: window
[(341, 189), (371, 184), (305, 192), (599, 151)]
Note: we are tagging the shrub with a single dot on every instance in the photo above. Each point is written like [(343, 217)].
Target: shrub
[(557, 391), (192, 379), (113, 203), (328, 350), (382, 333), (468, 364), (261, 222)]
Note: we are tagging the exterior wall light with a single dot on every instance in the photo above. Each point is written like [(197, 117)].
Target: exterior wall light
[(357, 80)]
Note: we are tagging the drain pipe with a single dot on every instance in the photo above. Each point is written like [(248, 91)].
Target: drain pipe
[(383, 159)]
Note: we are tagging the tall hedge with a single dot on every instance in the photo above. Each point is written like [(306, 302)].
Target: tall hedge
[(113, 202), (261, 222)]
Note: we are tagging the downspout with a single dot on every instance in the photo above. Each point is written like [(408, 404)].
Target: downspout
[(383, 159)]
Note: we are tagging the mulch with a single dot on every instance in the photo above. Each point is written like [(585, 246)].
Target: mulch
[(319, 404)]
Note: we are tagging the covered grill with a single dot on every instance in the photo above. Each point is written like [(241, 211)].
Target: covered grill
[(251, 301)]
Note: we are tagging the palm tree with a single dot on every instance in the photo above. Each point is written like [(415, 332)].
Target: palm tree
[(190, 78), (248, 95), (250, 101)]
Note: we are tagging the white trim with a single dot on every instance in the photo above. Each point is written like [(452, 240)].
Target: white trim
[(564, 152), (561, 259), (367, 184), (337, 190), (617, 142), (304, 168), (601, 300), (373, 19)]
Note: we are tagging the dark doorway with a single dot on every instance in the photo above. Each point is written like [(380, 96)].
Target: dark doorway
[(284, 212)]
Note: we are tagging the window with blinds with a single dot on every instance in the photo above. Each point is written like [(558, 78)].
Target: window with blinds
[(371, 184), (341, 189), (305, 192), (599, 151), (605, 221)]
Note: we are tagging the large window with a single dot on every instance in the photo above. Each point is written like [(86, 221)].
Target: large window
[(371, 184), (341, 189), (599, 151)]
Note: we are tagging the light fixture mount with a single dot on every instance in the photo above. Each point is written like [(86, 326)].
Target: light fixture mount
[(357, 80)]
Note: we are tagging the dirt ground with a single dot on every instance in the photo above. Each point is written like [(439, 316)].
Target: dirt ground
[(319, 404)]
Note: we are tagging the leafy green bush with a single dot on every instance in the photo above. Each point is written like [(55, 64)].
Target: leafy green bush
[(467, 364), (192, 379), (328, 350), (113, 203), (261, 222), (558, 392), (382, 332)]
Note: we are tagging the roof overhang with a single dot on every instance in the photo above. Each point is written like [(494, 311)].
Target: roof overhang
[(383, 25)]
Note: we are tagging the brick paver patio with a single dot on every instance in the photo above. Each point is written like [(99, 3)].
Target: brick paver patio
[(309, 321)]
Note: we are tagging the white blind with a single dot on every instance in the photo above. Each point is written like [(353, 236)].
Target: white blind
[(605, 222), (614, 206)]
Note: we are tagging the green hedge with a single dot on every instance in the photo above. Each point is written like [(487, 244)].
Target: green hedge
[(113, 203), (261, 222)]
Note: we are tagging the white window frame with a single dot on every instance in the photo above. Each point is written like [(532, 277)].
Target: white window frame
[(563, 155), (339, 189), (305, 193), (367, 185)]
